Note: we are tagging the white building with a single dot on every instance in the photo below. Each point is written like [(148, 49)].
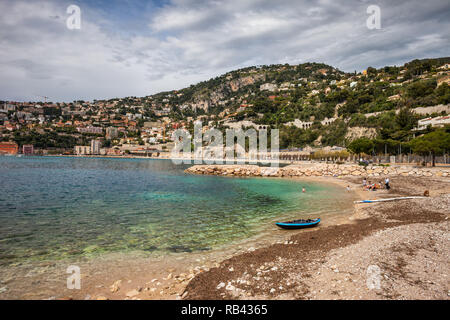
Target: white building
[(300, 124), (434, 122), (95, 146), (245, 124), (326, 121), (268, 86), (82, 150)]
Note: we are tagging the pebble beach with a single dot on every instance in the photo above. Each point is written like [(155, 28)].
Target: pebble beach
[(407, 242)]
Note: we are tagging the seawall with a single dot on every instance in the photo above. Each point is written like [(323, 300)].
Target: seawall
[(318, 169)]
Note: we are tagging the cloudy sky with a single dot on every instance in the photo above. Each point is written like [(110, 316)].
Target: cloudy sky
[(136, 48)]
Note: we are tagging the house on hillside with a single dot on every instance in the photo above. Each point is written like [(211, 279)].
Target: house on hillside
[(300, 124), (434, 122)]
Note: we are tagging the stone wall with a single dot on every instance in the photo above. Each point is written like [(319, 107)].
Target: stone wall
[(318, 169)]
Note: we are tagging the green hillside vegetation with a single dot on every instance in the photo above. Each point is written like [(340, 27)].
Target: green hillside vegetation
[(377, 104)]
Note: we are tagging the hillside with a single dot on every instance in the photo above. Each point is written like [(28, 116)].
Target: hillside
[(334, 107), (311, 103)]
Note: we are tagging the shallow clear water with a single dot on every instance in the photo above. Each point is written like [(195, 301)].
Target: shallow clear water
[(60, 207)]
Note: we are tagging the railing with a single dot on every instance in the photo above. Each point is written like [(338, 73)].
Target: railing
[(381, 159)]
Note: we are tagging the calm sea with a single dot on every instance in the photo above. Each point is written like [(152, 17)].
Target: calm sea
[(61, 207)]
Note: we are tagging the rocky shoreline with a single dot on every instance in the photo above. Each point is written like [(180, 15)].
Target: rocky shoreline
[(318, 169)]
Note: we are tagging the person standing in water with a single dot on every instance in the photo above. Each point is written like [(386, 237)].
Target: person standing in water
[(303, 190)]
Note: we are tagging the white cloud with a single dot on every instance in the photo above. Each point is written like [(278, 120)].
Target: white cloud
[(188, 41)]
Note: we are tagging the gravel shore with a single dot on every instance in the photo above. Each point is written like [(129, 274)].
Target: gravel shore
[(390, 250)]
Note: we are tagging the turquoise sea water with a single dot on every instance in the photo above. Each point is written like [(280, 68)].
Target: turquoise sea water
[(58, 207)]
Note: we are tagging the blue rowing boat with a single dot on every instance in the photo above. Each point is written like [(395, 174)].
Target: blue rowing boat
[(299, 224)]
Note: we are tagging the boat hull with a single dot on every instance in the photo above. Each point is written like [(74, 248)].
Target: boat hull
[(298, 225)]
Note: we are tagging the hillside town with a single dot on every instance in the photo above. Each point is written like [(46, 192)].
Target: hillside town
[(314, 105)]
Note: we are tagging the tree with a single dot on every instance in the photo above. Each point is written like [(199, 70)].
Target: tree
[(405, 119), (443, 93), (434, 143), (421, 88), (371, 71), (361, 145)]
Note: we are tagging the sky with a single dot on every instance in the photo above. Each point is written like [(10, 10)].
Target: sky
[(137, 48)]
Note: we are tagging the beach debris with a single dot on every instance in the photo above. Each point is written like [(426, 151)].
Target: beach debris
[(197, 269), (115, 286), (220, 285), (102, 298), (184, 295), (272, 290), (3, 289), (230, 287), (132, 293), (181, 277), (231, 269), (251, 249)]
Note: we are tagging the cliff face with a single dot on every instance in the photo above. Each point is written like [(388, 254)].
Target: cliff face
[(235, 85), (359, 132)]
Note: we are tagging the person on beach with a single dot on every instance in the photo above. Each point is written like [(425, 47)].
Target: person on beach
[(386, 182), (348, 188), (364, 183)]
